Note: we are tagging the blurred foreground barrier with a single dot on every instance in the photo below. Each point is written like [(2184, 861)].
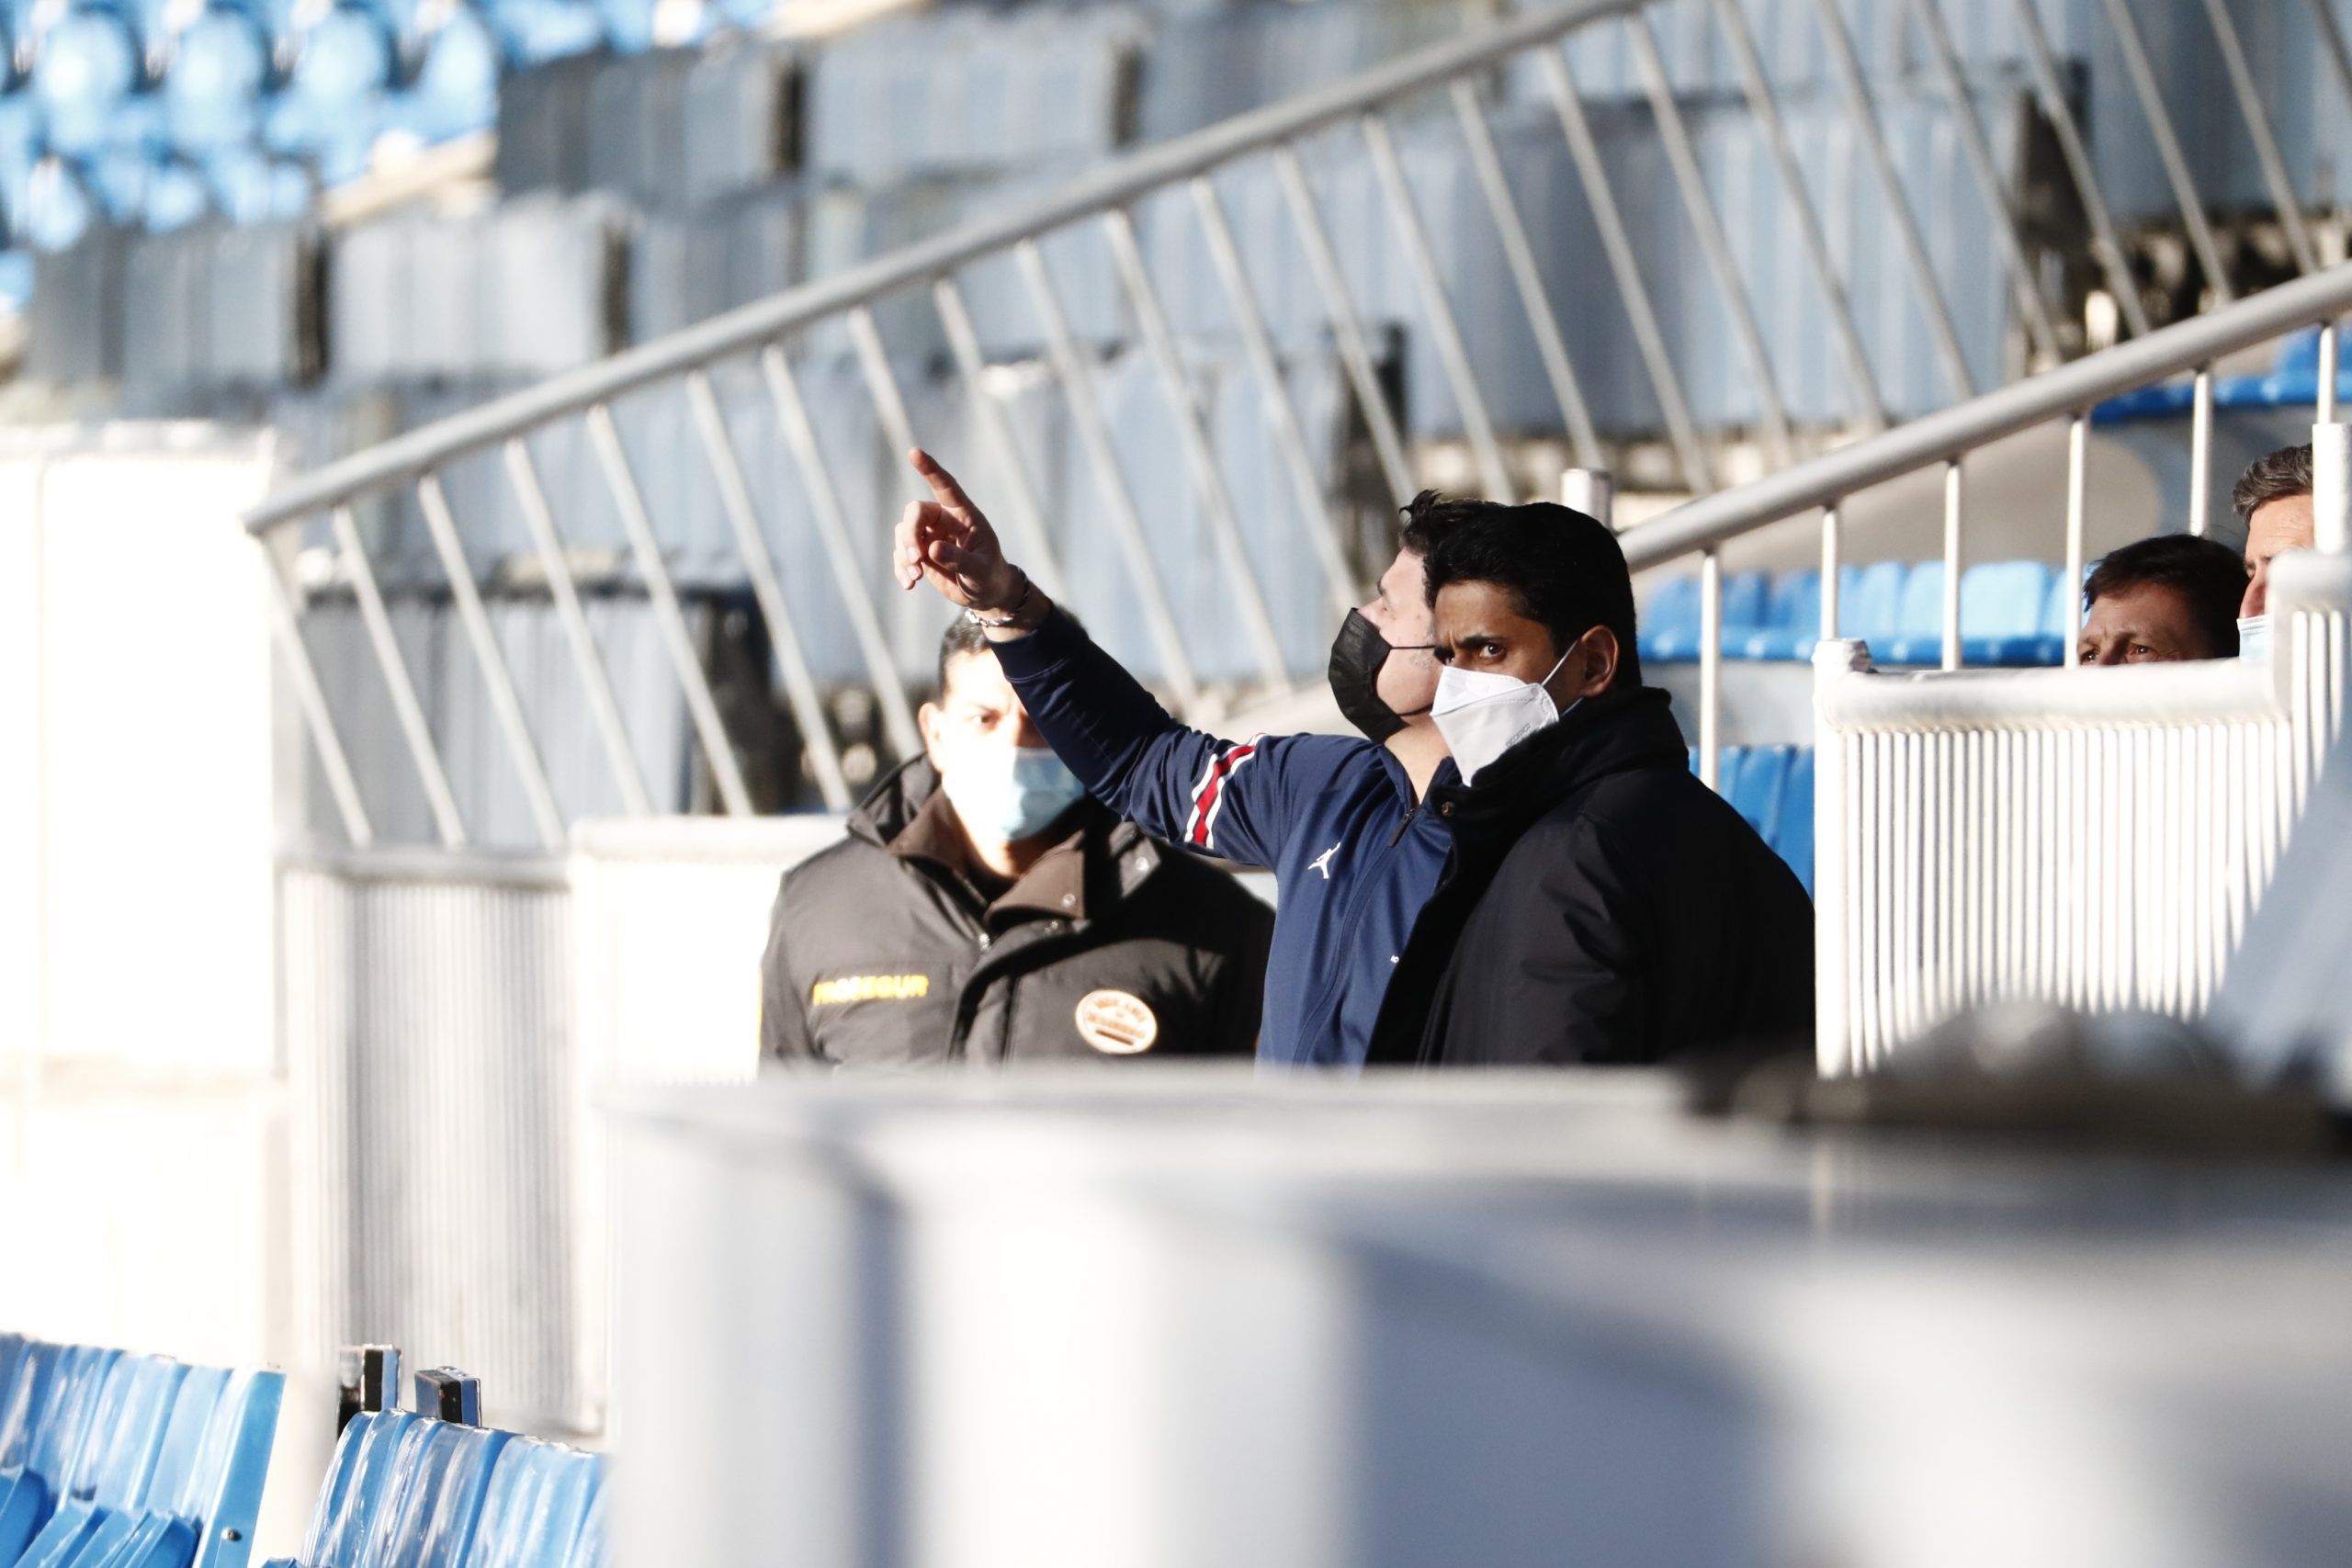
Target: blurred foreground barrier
[(1220, 1321), (433, 1488), (113, 1460)]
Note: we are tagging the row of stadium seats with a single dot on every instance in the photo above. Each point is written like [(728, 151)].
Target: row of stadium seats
[(2011, 613), (410, 1490), (112, 1461), (1771, 788)]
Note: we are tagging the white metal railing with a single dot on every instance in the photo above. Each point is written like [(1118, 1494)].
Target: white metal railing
[(771, 334), (2092, 838)]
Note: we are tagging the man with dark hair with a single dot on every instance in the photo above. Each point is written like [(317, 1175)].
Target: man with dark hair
[(1601, 905), (984, 910), (1338, 821), (2157, 600), (2273, 499)]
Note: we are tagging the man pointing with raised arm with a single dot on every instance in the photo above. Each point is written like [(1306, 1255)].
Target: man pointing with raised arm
[(1338, 820)]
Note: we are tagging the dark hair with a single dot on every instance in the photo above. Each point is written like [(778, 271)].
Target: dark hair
[(964, 636), (1429, 517), (1565, 571), (2287, 471), (2206, 573)]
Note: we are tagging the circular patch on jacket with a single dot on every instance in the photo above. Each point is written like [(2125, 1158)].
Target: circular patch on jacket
[(1116, 1021)]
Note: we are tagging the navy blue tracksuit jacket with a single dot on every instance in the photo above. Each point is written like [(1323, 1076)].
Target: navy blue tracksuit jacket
[(1333, 818)]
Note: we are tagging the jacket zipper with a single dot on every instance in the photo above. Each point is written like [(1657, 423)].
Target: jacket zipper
[(1404, 822)]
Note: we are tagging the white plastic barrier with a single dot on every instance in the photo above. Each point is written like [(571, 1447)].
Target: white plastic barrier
[(451, 1020), (1202, 1321), (2096, 837)]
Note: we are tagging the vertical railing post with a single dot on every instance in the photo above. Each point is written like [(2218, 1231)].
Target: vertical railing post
[(2077, 505), (1593, 492), (2201, 453)]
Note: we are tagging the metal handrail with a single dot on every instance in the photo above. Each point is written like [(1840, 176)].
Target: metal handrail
[(754, 325), (2070, 390)]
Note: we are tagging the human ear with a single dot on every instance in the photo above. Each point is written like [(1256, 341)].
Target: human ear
[(1599, 666), (932, 722)]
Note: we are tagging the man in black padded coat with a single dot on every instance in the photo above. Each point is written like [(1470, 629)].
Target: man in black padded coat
[(1600, 906)]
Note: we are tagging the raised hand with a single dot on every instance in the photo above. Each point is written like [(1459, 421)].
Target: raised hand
[(948, 541)]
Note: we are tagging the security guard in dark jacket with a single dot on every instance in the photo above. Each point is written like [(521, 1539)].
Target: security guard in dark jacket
[(984, 909), (1601, 905)]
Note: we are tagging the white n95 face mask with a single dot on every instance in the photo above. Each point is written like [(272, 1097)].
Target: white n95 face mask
[(1006, 794), (2253, 636), (1483, 714)]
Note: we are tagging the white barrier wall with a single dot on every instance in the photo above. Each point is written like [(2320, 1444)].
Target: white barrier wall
[(2094, 837), (1195, 1319), (452, 1018)]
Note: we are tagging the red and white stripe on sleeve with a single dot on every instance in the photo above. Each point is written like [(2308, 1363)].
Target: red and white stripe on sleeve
[(1208, 796)]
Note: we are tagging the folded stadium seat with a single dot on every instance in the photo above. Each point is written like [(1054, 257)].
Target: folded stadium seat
[(212, 92), (110, 1472), (58, 207), (430, 1523), (87, 70), (2004, 613), (2061, 617), (629, 24), (178, 194), (250, 187), (1792, 621), (332, 107), (62, 1407), (1755, 790), (456, 90), (1668, 632), (1917, 635), (1870, 599), (534, 32), (1795, 839), (537, 1510), (367, 1459)]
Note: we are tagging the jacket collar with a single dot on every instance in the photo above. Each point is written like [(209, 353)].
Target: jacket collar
[(1613, 733), (908, 814)]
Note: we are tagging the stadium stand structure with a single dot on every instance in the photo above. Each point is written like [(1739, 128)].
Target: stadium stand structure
[(1192, 382), (114, 1460)]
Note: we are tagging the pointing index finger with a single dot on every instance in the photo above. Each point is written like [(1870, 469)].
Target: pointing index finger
[(942, 484)]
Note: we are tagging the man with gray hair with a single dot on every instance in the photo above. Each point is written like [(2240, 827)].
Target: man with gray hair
[(2273, 499)]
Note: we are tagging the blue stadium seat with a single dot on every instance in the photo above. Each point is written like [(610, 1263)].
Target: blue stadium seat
[(457, 88), (250, 187), (88, 67), (212, 94), (2062, 617), (536, 32), (428, 1493), (1919, 632), (1792, 621), (1755, 791), (1668, 632), (1771, 788), (1795, 839), (1869, 600), (2005, 615), (332, 107)]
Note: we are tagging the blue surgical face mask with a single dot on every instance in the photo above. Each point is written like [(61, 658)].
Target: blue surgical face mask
[(1005, 794)]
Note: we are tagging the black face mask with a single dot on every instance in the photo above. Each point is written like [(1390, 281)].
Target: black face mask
[(1357, 654)]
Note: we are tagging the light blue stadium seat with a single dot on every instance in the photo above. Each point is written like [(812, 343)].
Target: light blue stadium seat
[(1795, 839), (367, 1459), (334, 104), (429, 1523), (1869, 600), (178, 194), (57, 1419), (537, 1507), (2003, 615), (250, 187), (213, 92), (2061, 617), (1792, 621), (1668, 633), (457, 88), (1755, 793), (1668, 628), (536, 32), (106, 1479), (88, 68)]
